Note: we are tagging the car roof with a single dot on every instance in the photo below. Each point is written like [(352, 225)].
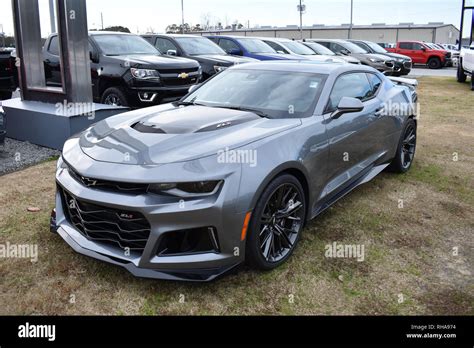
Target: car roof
[(327, 40), (278, 39), (175, 35), (306, 66), (236, 37), (110, 32)]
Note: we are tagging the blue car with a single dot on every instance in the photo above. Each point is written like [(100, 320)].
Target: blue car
[(249, 47)]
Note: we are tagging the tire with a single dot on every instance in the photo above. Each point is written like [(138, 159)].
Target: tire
[(269, 232), (461, 76), (114, 96), (6, 95), (405, 149), (472, 81), (434, 63)]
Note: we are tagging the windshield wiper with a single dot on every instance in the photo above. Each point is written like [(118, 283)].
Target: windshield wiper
[(191, 102), (240, 108)]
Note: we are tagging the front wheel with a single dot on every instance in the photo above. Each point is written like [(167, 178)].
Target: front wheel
[(461, 76), (276, 223), (434, 63), (114, 96), (406, 149)]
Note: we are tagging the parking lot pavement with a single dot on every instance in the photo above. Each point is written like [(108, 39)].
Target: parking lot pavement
[(445, 72)]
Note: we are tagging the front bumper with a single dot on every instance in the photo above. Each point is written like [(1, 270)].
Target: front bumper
[(165, 216)]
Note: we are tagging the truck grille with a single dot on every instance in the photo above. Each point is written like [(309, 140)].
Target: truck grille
[(180, 82), (125, 229)]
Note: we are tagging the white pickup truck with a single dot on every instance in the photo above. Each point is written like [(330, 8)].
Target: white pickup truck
[(466, 65)]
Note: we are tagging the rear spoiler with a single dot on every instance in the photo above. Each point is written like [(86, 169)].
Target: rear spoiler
[(403, 81)]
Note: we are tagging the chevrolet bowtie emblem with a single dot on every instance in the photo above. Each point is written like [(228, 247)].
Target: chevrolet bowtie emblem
[(183, 76)]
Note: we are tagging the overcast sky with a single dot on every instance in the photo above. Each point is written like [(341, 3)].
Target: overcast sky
[(141, 15)]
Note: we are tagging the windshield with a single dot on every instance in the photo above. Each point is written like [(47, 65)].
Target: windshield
[(256, 46), (198, 45), (320, 49), (116, 45), (275, 94), (353, 47), (376, 48), (298, 48)]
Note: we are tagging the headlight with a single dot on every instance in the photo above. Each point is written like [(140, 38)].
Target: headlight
[(219, 68), (375, 60), (61, 163), (144, 74), (186, 189)]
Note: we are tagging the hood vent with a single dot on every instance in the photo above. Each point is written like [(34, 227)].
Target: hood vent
[(146, 128)]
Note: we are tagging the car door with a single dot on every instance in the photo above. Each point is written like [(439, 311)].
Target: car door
[(52, 63), (353, 137)]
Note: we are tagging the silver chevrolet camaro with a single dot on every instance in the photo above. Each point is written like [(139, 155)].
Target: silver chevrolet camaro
[(233, 171)]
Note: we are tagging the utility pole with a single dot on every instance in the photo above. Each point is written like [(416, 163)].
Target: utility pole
[(182, 16), (352, 13), (301, 8), (52, 16), (102, 20)]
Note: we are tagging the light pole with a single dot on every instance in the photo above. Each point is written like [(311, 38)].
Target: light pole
[(301, 8), (52, 16), (350, 25), (182, 16)]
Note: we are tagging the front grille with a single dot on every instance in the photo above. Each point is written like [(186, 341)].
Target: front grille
[(389, 63), (180, 82), (106, 185), (407, 64), (178, 71), (125, 229)]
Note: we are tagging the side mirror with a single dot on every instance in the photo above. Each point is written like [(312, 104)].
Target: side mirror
[(347, 105), (423, 49), (281, 52), (345, 52), (171, 53), (193, 88), (235, 52), (94, 56)]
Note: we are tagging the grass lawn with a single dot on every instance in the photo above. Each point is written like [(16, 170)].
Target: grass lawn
[(411, 265)]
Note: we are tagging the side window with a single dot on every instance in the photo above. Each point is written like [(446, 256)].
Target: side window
[(417, 47), (54, 46), (336, 48), (164, 45), (276, 46), (406, 45), (325, 44), (355, 85), (228, 45), (375, 82)]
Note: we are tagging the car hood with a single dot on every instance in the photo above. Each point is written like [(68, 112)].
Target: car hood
[(397, 55), (223, 59), (156, 61), (167, 134)]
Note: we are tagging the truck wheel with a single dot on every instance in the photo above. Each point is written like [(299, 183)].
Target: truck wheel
[(5, 95), (461, 76), (114, 96), (434, 63)]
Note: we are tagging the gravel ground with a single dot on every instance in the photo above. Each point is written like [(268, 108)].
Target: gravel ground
[(16, 155)]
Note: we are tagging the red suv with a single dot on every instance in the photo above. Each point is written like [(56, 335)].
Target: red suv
[(422, 53)]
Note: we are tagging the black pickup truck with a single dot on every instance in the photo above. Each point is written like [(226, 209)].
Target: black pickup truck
[(8, 75), (126, 70)]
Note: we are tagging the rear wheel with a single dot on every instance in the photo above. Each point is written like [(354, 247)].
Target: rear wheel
[(406, 149), (434, 63), (114, 96), (276, 223), (461, 76)]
